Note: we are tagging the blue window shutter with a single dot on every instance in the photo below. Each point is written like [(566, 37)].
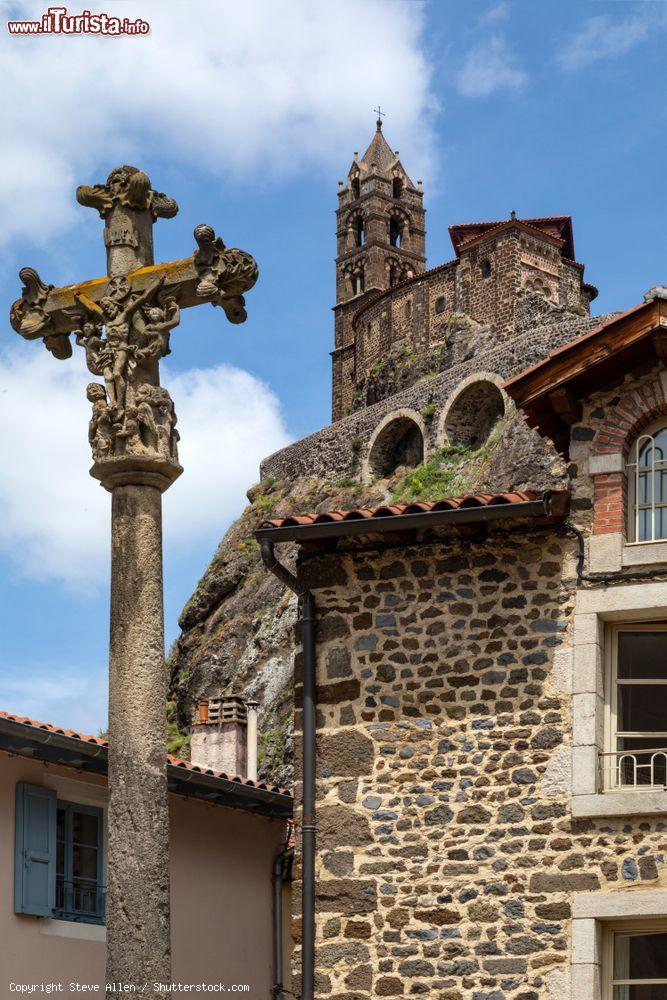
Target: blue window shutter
[(35, 866)]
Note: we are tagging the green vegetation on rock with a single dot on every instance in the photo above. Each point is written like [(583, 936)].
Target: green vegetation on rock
[(450, 472)]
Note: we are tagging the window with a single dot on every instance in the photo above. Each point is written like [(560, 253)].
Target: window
[(637, 964), (440, 304), (357, 282), (355, 187), (485, 268), (59, 864), (359, 231), (636, 754), (538, 286), (395, 232), (397, 187), (79, 871), (647, 486)]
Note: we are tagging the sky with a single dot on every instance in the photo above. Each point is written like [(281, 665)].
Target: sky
[(249, 114)]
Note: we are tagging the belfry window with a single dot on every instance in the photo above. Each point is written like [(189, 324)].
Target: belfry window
[(355, 188), (357, 281), (359, 231), (395, 232), (647, 486), (397, 187)]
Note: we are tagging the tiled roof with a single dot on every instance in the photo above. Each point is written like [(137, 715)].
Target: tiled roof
[(467, 232), (173, 761), (396, 511)]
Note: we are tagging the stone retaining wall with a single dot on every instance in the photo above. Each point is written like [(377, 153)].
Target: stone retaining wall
[(338, 451)]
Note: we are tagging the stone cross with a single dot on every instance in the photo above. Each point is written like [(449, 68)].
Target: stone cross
[(123, 322)]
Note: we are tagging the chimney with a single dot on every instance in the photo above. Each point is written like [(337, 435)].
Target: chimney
[(219, 736), (251, 737)]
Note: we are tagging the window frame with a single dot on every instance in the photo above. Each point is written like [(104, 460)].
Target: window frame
[(610, 929), (611, 683), (70, 913), (631, 477)]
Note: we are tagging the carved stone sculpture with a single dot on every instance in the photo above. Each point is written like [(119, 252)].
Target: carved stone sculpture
[(123, 322), (29, 316), (128, 187), (224, 274)]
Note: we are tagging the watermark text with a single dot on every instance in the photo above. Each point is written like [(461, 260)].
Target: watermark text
[(56, 21)]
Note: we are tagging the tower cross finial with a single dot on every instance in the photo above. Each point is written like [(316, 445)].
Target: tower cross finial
[(381, 114)]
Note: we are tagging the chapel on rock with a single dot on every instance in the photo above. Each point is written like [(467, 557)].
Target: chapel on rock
[(481, 678)]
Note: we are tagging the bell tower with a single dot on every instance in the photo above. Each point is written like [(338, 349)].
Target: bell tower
[(380, 241)]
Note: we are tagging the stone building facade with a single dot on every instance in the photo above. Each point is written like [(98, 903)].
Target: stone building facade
[(484, 832), (491, 731)]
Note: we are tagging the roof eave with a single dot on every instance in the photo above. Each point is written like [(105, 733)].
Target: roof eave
[(25, 740), (552, 506)]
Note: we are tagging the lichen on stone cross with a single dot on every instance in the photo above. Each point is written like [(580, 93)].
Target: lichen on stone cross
[(123, 323)]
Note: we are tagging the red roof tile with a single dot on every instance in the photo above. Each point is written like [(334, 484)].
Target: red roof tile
[(174, 761), (398, 510)]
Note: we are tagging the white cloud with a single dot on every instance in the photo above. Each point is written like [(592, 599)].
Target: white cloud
[(498, 12), (54, 519), (265, 86), (488, 67), (603, 37), (73, 701)]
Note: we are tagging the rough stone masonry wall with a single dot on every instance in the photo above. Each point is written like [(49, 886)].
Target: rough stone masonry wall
[(447, 855), (336, 451)]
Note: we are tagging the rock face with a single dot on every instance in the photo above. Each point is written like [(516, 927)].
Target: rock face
[(238, 627)]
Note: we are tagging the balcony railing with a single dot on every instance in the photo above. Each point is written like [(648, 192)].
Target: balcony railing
[(634, 770), (75, 901)]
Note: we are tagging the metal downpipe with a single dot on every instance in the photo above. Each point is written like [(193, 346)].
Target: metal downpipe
[(278, 989), (308, 826)]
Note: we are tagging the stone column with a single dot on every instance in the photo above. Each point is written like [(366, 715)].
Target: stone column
[(138, 944), (124, 325)]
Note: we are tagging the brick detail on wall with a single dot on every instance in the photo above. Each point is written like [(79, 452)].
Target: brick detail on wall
[(609, 497), (635, 409)]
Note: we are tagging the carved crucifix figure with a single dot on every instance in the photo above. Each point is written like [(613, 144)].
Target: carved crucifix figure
[(123, 322)]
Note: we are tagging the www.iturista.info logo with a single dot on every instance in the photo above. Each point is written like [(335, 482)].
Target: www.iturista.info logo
[(56, 21)]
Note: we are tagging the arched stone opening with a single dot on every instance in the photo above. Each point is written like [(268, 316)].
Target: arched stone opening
[(473, 414), (400, 443)]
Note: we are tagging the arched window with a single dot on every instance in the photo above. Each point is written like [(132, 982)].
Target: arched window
[(355, 188), (647, 485), (485, 268), (395, 232), (440, 304), (358, 283), (359, 231), (538, 286), (397, 187)]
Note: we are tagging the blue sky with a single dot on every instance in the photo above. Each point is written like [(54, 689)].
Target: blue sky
[(249, 118)]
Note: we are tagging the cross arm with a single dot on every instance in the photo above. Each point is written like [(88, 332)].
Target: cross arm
[(214, 274)]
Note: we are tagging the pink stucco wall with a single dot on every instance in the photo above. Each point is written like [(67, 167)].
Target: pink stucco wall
[(221, 862)]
